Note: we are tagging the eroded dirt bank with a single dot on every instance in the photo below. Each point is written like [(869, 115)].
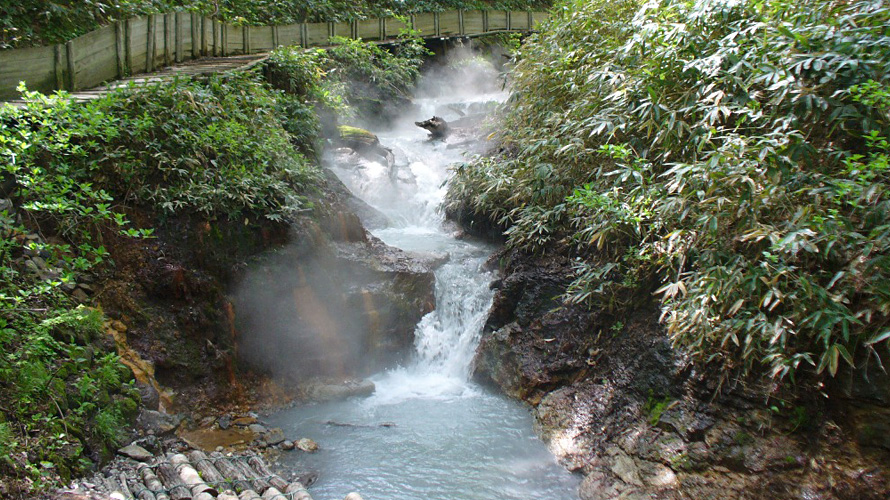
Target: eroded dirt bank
[(181, 314), (614, 400)]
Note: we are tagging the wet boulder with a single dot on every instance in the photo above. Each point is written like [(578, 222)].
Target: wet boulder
[(436, 126)]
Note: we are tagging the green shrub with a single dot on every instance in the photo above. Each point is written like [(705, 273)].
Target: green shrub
[(350, 77), (729, 156), (215, 149)]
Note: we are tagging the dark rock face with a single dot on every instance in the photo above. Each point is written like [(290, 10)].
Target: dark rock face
[(336, 302), (614, 400)]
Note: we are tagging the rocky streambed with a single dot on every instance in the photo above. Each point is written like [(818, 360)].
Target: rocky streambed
[(615, 401)]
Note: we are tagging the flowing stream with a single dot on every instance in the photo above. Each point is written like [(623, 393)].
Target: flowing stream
[(428, 432)]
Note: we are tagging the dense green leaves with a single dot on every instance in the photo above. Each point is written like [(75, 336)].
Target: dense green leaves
[(729, 156), (44, 22)]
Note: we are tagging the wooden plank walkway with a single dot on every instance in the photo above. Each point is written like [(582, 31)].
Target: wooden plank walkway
[(196, 67), (143, 44)]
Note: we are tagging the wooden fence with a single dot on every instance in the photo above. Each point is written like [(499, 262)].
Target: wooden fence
[(142, 44)]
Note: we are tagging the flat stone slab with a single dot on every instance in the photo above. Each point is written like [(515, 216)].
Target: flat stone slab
[(136, 452)]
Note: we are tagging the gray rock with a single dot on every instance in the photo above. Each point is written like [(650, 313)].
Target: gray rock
[(274, 436), (331, 392), (32, 267), (150, 398), (80, 296), (6, 204), (158, 423), (224, 422), (626, 468), (39, 262), (307, 445), (136, 452), (287, 445), (257, 429)]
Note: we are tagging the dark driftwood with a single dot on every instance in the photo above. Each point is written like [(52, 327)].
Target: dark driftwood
[(260, 466), (190, 476), (436, 126), (232, 473), (177, 489), (153, 483)]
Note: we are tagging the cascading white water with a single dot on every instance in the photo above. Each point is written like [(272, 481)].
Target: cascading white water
[(445, 437)]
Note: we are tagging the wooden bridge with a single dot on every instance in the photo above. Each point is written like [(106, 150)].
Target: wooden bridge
[(139, 46)]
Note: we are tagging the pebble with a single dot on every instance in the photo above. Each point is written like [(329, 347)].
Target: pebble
[(244, 421), (224, 422), (287, 445), (257, 429)]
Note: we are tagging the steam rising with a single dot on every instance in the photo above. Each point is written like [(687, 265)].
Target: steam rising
[(301, 314)]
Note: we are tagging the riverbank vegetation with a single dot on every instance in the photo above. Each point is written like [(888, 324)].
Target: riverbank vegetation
[(730, 158), (28, 23), (221, 151)]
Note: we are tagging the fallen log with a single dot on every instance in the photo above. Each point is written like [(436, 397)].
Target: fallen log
[(152, 482), (125, 487), (115, 492), (142, 493), (209, 473), (176, 488), (260, 466), (190, 476), (297, 492), (249, 495), (260, 485), (232, 474), (273, 494)]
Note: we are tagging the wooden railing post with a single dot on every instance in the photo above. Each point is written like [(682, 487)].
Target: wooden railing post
[(509, 21), (169, 30), (150, 45), (120, 48), (245, 39), (460, 22), (193, 33), (485, 21), (58, 66), (214, 28), (72, 65), (436, 24), (179, 35), (275, 37)]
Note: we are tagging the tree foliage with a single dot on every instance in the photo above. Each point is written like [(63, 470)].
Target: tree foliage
[(729, 156), (43, 22)]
